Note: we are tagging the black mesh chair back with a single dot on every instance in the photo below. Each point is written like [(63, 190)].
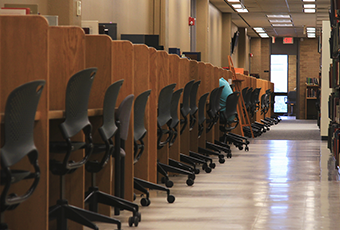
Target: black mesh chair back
[(264, 104), (139, 127), (20, 112), (193, 104), (107, 130), (291, 97), (201, 113), (174, 114), (212, 109), (123, 116), (76, 104), (164, 115), (185, 106), (244, 94), (217, 105), (254, 101), (164, 104), (76, 120), (247, 99), (228, 116)]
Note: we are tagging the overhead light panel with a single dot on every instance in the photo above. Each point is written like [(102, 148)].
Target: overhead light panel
[(237, 6), (310, 30), (308, 0), (309, 6), (278, 16), (242, 10), (282, 25), (309, 10), (311, 35), (280, 20), (259, 29), (263, 35), (233, 0)]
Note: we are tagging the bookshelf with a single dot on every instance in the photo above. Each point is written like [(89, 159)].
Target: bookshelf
[(311, 111)]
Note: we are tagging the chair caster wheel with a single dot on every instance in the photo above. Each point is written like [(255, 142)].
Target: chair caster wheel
[(212, 165), (221, 160), (204, 166), (192, 176), (190, 182), (246, 149), (197, 171), (207, 170), (139, 215), (169, 184), (133, 220), (145, 202), (171, 199), (240, 148), (229, 155), (134, 196)]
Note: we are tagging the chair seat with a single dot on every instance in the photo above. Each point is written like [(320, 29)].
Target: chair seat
[(17, 175), (62, 147)]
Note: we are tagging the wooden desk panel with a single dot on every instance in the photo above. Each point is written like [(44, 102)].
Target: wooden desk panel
[(98, 54), (66, 57), (123, 65), (24, 58), (162, 68), (209, 87), (202, 89), (193, 75), (185, 78), (174, 77), (153, 101), (142, 79)]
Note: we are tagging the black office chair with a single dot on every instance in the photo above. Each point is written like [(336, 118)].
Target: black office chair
[(139, 134), (229, 121), (164, 118), (93, 196), (291, 101), (185, 106), (76, 120), (193, 106), (20, 112)]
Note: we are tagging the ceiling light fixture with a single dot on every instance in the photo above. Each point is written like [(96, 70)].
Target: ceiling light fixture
[(310, 29), (308, 0), (278, 16), (237, 6), (263, 35), (309, 10), (309, 6), (311, 35), (282, 25), (280, 20), (233, 0), (242, 10), (259, 29)]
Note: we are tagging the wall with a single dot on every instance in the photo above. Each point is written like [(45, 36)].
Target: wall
[(42, 4), (260, 62), (137, 19), (234, 56), (309, 67), (291, 72), (179, 35), (215, 36), (325, 90), (265, 59)]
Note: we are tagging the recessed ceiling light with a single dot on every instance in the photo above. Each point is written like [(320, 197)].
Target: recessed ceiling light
[(263, 35), (259, 29), (282, 25), (310, 29), (309, 6), (308, 0), (280, 20), (278, 16), (237, 6), (309, 10), (233, 0), (242, 10), (311, 35)]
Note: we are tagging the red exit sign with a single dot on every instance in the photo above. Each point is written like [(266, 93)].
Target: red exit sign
[(288, 40)]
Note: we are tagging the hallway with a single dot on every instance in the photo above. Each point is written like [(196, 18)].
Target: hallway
[(278, 184)]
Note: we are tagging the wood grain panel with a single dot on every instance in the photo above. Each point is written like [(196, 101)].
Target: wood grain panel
[(202, 76), (153, 101), (174, 77), (185, 78), (194, 131), (162, 68), (98, 54), (123, 65), (24, 58), (142, 79), (66, 57), (209, 87)]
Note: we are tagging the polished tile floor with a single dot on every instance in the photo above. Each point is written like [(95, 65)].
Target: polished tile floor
[(278, 184)]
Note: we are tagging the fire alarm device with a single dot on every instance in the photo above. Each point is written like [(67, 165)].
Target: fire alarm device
[(191, 21)]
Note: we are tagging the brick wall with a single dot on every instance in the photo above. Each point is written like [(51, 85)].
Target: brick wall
[(265, 53), (291, 72), (309, 67), (260, 61)]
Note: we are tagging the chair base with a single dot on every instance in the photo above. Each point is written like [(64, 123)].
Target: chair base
[(94, 197), (62, 211)]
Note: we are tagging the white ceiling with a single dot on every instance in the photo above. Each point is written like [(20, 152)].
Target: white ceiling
[(258, 9)]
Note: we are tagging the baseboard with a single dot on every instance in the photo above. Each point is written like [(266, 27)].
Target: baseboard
[(324, 138)]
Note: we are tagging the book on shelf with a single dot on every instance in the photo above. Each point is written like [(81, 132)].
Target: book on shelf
[(312, 81)]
